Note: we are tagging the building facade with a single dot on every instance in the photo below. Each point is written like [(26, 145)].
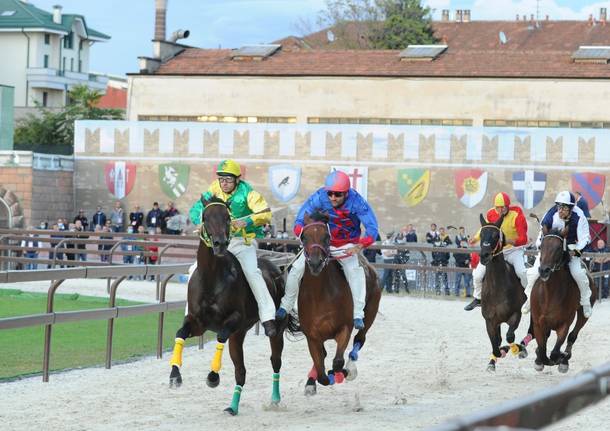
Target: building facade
[(49, 53)]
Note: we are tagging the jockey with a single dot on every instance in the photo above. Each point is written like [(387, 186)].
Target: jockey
[(514, 229), (347, 210), (251, 213), (565, 212)]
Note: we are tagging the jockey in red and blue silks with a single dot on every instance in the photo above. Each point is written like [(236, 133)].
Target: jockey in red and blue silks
[(347, 210)]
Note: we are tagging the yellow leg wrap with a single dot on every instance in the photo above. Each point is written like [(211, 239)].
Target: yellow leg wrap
[(514, 349), (177, 354), (217, 361), (493, 358)]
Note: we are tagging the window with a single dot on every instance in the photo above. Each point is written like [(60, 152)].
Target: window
[(548, 123), (219, 119), (45, 98), (64, 64), (47, 39), (46, 61), (71, 65), (69, 41), (80, 66), (406, 121)]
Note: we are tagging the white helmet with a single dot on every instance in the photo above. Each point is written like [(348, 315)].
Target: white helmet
[(565, 197)]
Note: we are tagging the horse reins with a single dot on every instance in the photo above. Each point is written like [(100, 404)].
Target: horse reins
[(306, 250), (495, 253), (203, 233)]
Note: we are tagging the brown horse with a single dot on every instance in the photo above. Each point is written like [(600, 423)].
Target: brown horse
[(555, 300), (220, 300), (502, 295), (326, 307)]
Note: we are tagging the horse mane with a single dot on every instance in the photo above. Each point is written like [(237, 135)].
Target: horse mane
[(319, 216), (213, 199), (555, 231)]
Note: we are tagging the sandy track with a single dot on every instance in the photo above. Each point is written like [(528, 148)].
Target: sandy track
[(424, 362)]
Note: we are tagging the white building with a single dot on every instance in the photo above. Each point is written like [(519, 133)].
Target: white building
[(49, 53)]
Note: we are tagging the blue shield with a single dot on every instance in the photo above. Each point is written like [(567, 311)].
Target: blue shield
[(529, 187)]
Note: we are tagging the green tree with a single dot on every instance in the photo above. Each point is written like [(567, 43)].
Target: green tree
[(50, 131), (406, 22), (377, 24)]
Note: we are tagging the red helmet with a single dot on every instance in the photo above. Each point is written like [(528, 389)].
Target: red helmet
[(337, 181), (502, 200)]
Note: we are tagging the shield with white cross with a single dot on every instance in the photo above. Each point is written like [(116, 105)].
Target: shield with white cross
[(529, 187)]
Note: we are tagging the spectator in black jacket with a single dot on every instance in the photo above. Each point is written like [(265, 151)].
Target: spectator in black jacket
[(82, 218), (602, 264), (99, 218), (136, 218), (582, 204), (462, 260), (154, 218), (441, 259), (410, 235)]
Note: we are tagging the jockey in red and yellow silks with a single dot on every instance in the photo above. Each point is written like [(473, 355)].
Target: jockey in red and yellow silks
[(514, 229)]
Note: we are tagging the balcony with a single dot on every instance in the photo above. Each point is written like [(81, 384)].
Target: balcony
[(47, 78)]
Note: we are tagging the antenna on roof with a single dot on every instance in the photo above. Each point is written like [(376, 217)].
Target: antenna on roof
[(503, 38), (330, 36)]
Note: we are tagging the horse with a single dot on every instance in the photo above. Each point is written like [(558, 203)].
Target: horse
[(220, 300), (555, 301), (502, 295), (326, 306)]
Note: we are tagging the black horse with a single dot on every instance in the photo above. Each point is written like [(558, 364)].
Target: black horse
[(502, 295), (220, 300)]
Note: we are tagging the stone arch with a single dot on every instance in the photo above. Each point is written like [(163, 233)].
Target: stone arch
[(11, 213)]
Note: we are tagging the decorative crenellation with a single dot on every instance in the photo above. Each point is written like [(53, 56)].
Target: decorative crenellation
[(346, 143)]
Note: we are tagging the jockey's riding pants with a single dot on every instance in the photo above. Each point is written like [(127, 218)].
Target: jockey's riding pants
[(246, 255), (354, 274), (579, 273), (514, 256)]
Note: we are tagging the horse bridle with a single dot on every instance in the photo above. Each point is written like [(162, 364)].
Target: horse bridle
[(308, 249), (557, 266), (203, 233), (495, 251)]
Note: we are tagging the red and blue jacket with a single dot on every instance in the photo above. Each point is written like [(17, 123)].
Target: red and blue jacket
[(345, 221)]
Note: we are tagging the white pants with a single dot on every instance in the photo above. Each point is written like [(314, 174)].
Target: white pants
[(354, 274), (246, 255), (579, 273), (514, 256)]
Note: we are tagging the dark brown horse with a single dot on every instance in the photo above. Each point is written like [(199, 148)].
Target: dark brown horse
[(502, 295), (220, 300), (555, 301), (326, 307)]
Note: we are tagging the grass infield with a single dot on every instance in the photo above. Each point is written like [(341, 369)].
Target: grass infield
[(78, 344)]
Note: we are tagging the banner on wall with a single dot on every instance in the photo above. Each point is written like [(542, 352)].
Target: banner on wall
[(174, 179), (413, 185), (529, 187), (284, 181), (590, 185), (358, 176), (120, 178), (470, 186)]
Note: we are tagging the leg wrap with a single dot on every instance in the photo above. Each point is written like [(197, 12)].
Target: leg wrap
[(236, 398), (217, 360), (177, 353), (275, 394)]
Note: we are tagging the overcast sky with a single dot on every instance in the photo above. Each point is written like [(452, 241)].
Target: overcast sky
[(232, 23)]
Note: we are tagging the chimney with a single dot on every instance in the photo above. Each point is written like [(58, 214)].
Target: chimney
[(532, 17), (591, 22), (524, 17), (445, 15), (458, 15), (57, 14), (602, 15), (517, 17), (546, 18), (466, 16), (160, 13)]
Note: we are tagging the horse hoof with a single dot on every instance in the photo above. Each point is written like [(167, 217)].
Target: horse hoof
[(523, 354), (213, 379), (352, 371), (491, 368), (175, 379), (310, 390), (230, 411), (538, 367), (563, 368)]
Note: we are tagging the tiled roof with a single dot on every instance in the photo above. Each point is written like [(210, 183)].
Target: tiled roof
[(474, 50), (27, 15)]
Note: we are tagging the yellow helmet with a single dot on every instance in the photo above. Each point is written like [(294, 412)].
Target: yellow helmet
[(228, 167)]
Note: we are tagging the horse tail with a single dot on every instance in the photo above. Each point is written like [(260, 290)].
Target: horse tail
[(293, 325)]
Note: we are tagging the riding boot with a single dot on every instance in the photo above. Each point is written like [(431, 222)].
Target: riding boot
[(476, 302), (270, 328)]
